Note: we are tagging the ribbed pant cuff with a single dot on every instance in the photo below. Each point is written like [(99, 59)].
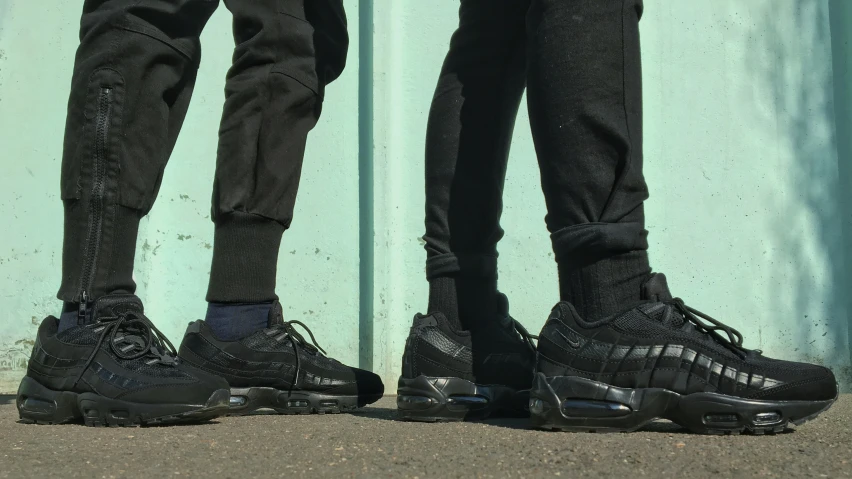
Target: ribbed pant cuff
[(245, 259), (461, 265), (584, 244)]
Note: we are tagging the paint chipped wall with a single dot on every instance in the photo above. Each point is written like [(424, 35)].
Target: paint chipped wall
[(740, 148)]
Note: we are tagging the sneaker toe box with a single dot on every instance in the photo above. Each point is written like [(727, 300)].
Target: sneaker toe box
[(362, 383), (817, 383)]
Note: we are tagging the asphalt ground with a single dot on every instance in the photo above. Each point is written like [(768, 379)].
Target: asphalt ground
[(372, 443)]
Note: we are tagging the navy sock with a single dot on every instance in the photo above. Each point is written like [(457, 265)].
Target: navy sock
[(235, 321), (68, 318)]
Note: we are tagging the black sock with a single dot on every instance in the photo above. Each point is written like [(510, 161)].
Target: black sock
[(467, 302), (443, 299), (477, 301), (605, 287), (235, 321)]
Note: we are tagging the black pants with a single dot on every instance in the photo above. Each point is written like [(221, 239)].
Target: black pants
[(580, 63), (133, 78)]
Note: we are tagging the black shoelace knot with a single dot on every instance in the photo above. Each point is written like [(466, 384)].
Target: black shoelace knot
[(131, 335)]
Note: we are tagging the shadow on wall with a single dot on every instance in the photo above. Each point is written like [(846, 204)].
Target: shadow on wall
[(840, 14), (791, 68)]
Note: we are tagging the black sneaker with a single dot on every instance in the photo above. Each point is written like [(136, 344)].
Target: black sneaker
[(450, 375), (663, 359), (117, 369), (278, 369)]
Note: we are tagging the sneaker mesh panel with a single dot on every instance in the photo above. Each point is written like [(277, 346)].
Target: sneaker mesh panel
[(85, 336), (260, 341), (80, 335), (638, 324), (316, 363), (154, 370)]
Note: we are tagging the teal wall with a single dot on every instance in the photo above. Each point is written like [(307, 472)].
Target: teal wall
[(750, 201)]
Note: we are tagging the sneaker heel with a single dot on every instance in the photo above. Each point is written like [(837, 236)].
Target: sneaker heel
[(38, 404), (587, 409), (428, 399)]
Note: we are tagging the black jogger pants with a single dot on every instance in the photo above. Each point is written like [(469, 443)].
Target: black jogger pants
[(133, 78), (579, 61)]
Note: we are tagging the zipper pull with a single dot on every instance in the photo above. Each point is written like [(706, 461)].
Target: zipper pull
[(81, 312)]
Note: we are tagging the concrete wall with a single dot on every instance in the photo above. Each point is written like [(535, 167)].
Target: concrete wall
[(749, 196)]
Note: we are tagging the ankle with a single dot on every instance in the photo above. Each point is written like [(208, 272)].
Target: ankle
[(605, 287), (235, 321), (443, 299), (478, 302), (69, 316), (467, 302)]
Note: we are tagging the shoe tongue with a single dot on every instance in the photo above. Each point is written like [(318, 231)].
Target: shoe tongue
[(112, 305), (501, 308), (656, 289), (276, 315), (664, 313)]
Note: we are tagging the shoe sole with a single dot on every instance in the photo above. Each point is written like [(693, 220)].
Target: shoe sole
[(249, 400), (567, 403), (40, 405), (434, 399)]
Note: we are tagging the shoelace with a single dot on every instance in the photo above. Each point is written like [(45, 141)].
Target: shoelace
[(132, 336), (525, 335), (734, 340), (287, 330)]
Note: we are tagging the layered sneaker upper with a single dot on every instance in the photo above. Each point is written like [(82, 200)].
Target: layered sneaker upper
[(434, 349), (503, 352), (117, 354), (499, 353), (663, 344), (276, 357)]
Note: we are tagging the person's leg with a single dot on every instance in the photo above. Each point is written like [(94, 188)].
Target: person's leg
[(105, 363), (468, 338), (619, 351), (287, 51), (133, 79), (585, 102), (467, 146), (274, 94)]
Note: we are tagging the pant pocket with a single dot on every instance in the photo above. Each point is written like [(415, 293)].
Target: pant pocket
[(331, 37), (296, 54)]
